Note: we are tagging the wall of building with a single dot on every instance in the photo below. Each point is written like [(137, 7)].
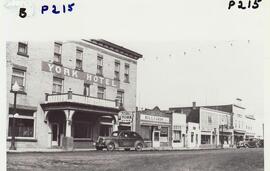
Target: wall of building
[(39, 82)]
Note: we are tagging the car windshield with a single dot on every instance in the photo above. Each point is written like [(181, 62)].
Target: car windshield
[(114, 134)]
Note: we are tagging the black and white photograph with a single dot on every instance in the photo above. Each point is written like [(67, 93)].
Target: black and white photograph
[(125, 85)]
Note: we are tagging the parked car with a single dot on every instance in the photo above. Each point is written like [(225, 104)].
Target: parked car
[(249, 143), (260, 143), (120, 139)]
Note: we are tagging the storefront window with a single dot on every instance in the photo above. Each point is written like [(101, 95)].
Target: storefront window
[(82, 130), (177, 136), (164, 132), (205, 139), (146, 132), (24, 123), (105, 130)]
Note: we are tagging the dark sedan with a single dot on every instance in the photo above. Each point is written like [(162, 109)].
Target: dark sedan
[(120, 139)]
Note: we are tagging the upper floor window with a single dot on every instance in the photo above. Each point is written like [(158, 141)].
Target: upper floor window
[(120, 98), (126, 73), (23, 48), (19, 77), (99, 65), (79, 58), (57, 53), (101, 93), (209, 119), (57, 85), (86, 90), (117, 70)]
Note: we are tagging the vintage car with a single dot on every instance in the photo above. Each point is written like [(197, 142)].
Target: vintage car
[(120, 139), (249, 143)]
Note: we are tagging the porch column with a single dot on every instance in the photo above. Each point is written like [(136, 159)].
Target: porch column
[(68, 139), (69, 114), (49, 140)]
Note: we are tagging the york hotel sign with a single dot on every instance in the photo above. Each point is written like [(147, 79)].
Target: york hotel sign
[(89, 78)]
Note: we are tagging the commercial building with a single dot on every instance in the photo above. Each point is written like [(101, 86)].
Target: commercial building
[(214, 125), (179, 130), (220, 124), (71, 92), (155, 127), (193, 135)]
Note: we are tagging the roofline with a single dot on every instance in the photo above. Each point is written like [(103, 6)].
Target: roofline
[(115, 48)]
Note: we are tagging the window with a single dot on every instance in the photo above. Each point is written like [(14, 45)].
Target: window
[(209, 119), (120, 98), (82, 130), (86, 90), (19, 77), (177, 136), (101, 92), (164, 132), (24, 123), (105, 130), (126, 73), (100, 65), (57, 85), (117, 70), (22, 48), (192, 137), (146, 132), (57, 53), (79, 58)]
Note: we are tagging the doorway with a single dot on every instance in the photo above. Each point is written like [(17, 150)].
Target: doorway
[(156, 138), (55, 134)]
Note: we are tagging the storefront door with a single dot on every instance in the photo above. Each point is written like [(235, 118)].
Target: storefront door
[(55, 134), (156, 139)]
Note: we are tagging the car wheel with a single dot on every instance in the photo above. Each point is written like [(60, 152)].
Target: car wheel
[(110, 147), (139, 147)]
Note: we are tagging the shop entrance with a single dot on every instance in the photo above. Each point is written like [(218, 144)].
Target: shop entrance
[(55, 134), (156, 139)]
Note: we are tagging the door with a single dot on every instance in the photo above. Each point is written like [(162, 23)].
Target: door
[(125, 139), (55, 134), (156, 139)]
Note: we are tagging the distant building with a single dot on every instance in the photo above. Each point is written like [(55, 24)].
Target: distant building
[(214, 125), (179, 130), (155, 127)]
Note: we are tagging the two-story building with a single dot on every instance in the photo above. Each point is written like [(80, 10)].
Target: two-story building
[(214, 125), (70, 91)]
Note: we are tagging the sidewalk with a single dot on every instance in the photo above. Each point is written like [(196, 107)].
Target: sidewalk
[(52, 150)]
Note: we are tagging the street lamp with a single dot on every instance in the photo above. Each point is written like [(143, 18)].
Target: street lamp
[(15, 88)]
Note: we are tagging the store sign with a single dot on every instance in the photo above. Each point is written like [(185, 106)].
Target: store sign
[(125, 117), (151, 118), (90, 78)]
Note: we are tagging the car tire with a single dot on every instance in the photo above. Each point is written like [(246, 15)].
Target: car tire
[(110, 147), (139, 147)]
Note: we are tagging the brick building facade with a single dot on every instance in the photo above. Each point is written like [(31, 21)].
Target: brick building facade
[(70, 91)]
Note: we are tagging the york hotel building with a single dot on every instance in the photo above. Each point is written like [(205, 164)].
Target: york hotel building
[(71, 92)]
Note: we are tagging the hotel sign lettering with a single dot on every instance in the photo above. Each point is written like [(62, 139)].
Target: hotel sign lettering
[(90, 78), (151, 118)]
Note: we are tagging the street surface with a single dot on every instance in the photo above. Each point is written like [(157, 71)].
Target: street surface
[(206, 160)]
